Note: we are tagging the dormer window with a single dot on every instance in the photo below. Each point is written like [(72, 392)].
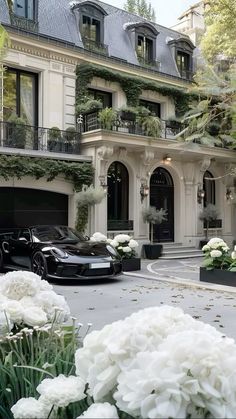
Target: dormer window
[(25, 8), (91, 29), (183, 64), (24, 15), (90, 19), (143, 37), (144, 49), (182, 51)]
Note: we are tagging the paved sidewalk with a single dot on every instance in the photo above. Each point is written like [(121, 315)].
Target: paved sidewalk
[(178, 271)]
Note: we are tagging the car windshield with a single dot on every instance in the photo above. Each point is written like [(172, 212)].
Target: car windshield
[(56, 234)]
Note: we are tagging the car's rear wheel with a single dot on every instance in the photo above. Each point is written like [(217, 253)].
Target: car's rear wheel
[(39, 264)]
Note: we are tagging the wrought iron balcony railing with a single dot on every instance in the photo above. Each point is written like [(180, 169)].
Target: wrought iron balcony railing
[(95, 46), (27, 137), (91, 122), (24, 23)]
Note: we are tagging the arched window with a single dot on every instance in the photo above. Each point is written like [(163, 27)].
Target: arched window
[(209, 189), (118, 192)]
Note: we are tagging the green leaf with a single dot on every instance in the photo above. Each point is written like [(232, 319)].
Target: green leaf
[(207, 262)]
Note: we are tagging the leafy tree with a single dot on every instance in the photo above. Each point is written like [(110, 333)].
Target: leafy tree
[(208, 214), (141, 8), (220, 36), (212, 120)]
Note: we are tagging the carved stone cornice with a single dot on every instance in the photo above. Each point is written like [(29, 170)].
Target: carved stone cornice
[(105, 152), (147, 157)]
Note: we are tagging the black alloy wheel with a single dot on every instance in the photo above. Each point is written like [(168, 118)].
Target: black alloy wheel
[(39, 264)]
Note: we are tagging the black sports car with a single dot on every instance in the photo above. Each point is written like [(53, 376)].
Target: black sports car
[(56, 252)]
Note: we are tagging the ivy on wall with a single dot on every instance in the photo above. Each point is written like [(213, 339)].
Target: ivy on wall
[(131, 85), (20, 166)]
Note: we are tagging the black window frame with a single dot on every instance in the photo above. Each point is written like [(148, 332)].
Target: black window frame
[(92, 12), (18, 73), (151, 106), (118, 192), (184, 71), (97, 94), (149, 57), (26, 2), (209, 188)]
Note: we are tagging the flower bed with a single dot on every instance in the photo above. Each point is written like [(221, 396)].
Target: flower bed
[(219, 265)]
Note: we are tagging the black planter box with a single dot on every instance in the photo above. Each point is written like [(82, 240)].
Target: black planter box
[(218, 276), (152, 251), (133, 264), (127, 116)]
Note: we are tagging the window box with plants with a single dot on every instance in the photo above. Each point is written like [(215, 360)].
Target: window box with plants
[(219, 266), (125, 247), (208, 215), (153, 216)]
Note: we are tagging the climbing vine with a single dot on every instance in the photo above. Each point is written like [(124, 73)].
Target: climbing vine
[(131, 85), (20, 166)]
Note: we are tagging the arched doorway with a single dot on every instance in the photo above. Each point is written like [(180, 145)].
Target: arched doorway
[(23, 207), (162, 196), (209, 188), (118, 196)]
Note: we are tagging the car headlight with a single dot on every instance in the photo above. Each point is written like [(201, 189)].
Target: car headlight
[(112, 250), (59, 253)]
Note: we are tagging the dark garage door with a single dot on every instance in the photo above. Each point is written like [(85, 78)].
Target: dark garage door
[(21, 207)]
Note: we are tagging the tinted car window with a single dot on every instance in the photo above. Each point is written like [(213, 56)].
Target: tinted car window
[(6, 234), (55, 233)]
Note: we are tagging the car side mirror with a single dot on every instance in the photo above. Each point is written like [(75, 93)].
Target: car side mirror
[(87, 238)]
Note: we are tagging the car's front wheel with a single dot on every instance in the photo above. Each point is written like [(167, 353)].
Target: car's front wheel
[(39, 264)]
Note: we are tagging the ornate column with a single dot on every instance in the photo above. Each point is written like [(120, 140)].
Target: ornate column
[(190, 207)]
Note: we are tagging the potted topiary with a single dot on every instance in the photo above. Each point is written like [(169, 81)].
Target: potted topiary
[(207, 215), (107, 118), (153, 216), (87, 197), (54, 139)]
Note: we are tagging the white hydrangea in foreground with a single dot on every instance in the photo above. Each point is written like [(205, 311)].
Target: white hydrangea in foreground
[(216, 253), (61, 391), (26, 408), (98, 237), (26, 299), (190, 369), (100, 411), (106, 352)]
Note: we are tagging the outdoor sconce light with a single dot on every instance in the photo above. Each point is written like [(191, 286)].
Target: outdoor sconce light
[(144, 191), (200, 195), (167, 159), (104, 185), (229, 194)]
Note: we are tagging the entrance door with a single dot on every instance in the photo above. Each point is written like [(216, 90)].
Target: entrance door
[(162, 196)]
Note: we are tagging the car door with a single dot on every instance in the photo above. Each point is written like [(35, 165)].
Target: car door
[(5, 236), (20, 249)]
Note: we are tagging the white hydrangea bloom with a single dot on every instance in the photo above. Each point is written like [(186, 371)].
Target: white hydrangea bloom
[(132, 243), (216, 253), (49, 301), (16, 285), (34, 316), (99, 237), (126, 249), (106, 352), (61, 391), (26, 408), (109, 241), (191, 368), (14, 310), (214, 240), (233, 255), (122, 238), (219, 245), (205, 248), (100, 411), (114, 243)]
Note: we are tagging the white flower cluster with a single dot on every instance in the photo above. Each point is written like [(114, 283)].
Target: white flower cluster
[(160, 362), (216, 247), (54, 392), (123, 243), (100, 411), (233, 254), (26, 299)]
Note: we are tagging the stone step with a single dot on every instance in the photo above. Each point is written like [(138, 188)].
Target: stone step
[(182, 255), (181, 250), (177, 248)]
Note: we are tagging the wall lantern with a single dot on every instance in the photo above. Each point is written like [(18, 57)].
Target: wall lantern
[(144, 191), (200, 195), (167, 159), (104, 185), (228, 195)]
